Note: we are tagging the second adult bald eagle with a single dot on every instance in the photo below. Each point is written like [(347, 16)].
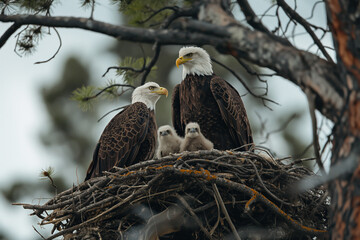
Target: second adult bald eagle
[(210, 101), (130, 137)]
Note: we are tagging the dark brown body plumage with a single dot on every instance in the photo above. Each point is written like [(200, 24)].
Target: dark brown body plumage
[(129, 138), (216, 106)]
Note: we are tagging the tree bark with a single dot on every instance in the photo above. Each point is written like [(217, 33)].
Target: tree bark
[(334, 85), (220, 30), (345, 190)]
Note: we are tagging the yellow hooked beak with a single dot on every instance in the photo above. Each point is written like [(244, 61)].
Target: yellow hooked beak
[(161, 91), (182, 60)]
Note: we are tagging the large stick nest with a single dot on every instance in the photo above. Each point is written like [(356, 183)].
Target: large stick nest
[(193, 195)]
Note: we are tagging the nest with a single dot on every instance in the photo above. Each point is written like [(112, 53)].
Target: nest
[(194, 195)]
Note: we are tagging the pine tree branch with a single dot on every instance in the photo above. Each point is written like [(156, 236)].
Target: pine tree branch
[(293, 14), (10, 31), (302, 68)]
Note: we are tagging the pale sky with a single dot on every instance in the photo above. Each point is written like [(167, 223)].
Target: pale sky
[(23, 112)]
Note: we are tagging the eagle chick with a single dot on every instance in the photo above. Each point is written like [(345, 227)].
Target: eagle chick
[(168, 141), (194, 139)]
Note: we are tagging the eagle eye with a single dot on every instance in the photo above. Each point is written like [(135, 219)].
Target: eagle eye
[(151, 88), (189, 55)]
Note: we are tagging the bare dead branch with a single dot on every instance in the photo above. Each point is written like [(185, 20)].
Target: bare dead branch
[(116, 109), (225, 212), (251, 17), (313, 9), (266, 189), (163, 36), (256, 22), (192, 213), (243, 83), (157, 48), (173, 8), (281, 128), (92, 9), (7, 34), (57, 51), (38, 233), (107, 88), (158, 182), (130, 68), (302, 68), (294, 15), (252, 72), (311, 100)]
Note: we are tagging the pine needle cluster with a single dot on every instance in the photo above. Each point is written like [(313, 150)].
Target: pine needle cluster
[(83, 96), (131, 69), (38, 6), (139, 11), (28, 39)]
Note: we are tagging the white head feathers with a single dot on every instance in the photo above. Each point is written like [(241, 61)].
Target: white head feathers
[(195, 61), (149, 93)]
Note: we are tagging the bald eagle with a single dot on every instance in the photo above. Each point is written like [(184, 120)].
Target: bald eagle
[(130, 137), (168, 141), (210, 101), (194, 140)]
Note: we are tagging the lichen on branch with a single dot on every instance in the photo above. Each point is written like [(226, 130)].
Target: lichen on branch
[(180, 189)]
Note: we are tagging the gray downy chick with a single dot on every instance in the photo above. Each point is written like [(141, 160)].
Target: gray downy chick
[(168, 141), (194, 140)]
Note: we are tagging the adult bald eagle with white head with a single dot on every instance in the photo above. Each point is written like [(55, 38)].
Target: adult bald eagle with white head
[(130, 137), (210, 101)]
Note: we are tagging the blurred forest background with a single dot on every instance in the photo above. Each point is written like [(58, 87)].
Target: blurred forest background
[(71, 134)]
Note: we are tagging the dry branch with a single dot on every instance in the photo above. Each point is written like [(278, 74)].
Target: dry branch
[(194, 195), (218, 29)]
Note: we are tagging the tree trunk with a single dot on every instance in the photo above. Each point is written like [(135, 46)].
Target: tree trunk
[(345, 190)]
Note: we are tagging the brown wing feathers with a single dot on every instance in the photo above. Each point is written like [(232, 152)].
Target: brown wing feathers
[(232, 111), (176, 114), (121, 140), (216, 106)]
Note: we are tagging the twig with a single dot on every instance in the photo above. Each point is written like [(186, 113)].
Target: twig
[(197, 220), (313, 9), (251, 17), (243, 83), (256, 23), (7, 34), (105, 89), (268, 134), (156, 184), (103, 116), (38, 233), (57, 51), (225, 212), (126, 69), (252, 72), (157, 48), (218, 217), (266, 189), (174, 8), (311, 101), (306, 25), (250, 201), (127, 199), (92, 9)]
